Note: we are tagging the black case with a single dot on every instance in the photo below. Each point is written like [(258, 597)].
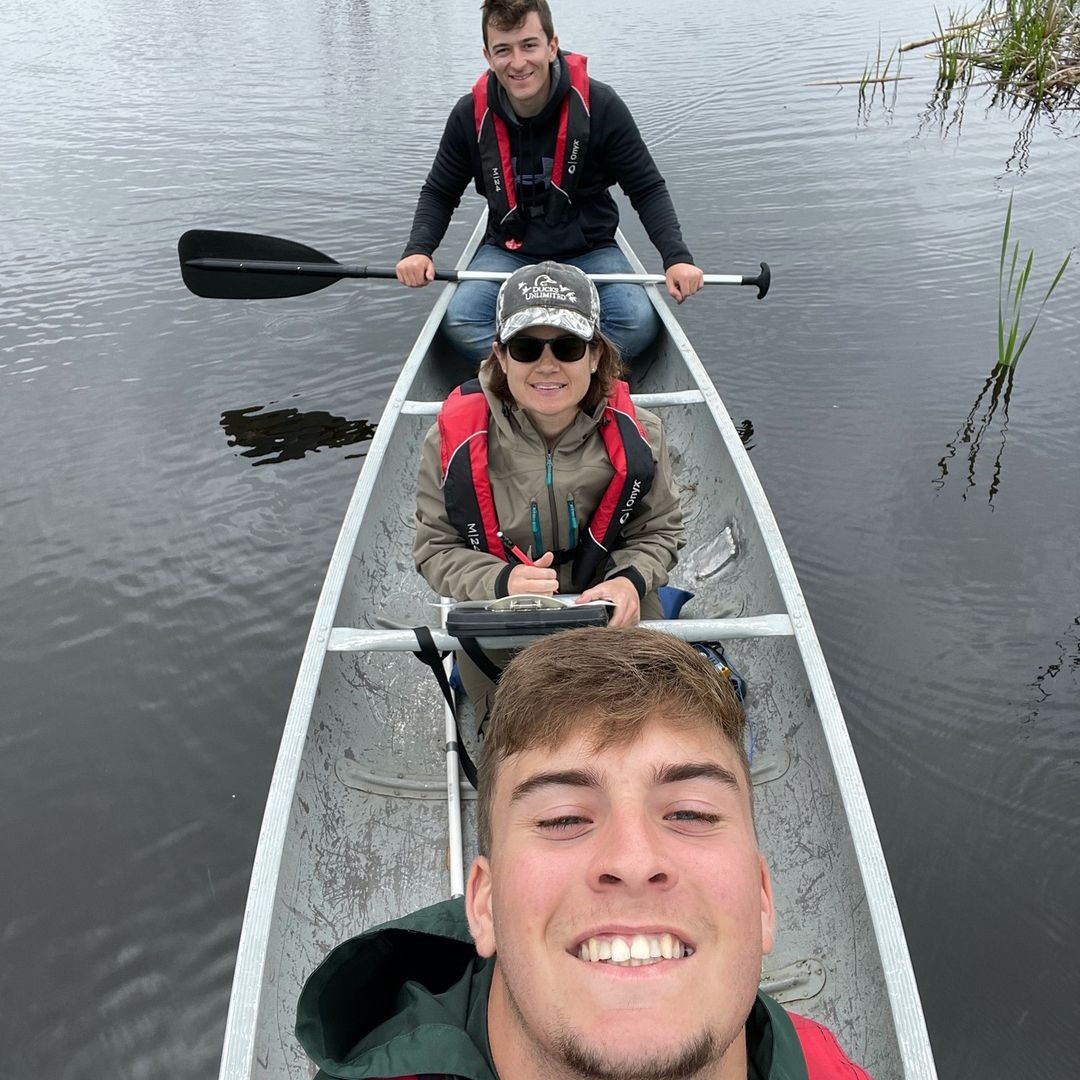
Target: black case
[(516, 617)]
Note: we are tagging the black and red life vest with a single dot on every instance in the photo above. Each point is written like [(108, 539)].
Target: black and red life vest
[(470, 504), (571, 144)]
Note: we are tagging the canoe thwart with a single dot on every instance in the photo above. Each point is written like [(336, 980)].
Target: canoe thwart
[(360, 639), (646, 401)]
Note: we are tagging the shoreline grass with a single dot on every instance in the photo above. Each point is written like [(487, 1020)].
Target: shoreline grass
[(1030, 47)]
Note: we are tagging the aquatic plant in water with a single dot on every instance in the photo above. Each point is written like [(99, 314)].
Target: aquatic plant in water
[(1033, 46), (997, 389), (1011, 296)]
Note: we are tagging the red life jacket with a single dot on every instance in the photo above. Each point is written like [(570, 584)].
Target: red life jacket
[(825, 1060), (470, 504), (494, 142)]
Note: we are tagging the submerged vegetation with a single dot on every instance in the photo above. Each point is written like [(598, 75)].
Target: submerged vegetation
[(1030, 47)]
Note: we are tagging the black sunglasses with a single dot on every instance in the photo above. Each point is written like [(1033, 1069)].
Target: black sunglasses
[(528, 350)]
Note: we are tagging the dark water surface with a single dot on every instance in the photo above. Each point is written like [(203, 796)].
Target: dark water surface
[(156, 587)]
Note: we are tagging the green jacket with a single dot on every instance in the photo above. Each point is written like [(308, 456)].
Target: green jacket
[(410, 998)]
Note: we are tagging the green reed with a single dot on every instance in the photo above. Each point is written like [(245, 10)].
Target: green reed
[(1028, 43), (880, 71), (1011, 296), (956, 44), (1031, 46)]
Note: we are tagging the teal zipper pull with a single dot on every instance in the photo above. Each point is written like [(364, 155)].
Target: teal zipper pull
[(549, 468), (571, 513), (538, 540)]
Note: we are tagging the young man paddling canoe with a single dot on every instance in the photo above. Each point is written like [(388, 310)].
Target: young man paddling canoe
[(544, 143), (615, 921)]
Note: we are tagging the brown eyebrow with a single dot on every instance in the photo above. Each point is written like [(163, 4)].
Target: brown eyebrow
[(563, 778), (665, 774), (523, 41), (696, 770)]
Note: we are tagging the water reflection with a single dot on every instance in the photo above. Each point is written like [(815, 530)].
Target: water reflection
[(937, 113), (991, 54), (1068, 660), (288, 434), (945, 112), (979, 424), (746, 433)]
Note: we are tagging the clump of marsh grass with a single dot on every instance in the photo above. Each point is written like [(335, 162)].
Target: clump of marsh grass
[(954, 61), (1011, 296), (1033, 38), (1032, 47)]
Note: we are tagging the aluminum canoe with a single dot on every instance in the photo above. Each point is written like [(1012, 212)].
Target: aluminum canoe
[(366, 819)]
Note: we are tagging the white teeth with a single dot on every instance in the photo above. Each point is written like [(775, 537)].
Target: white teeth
[(634, 951)]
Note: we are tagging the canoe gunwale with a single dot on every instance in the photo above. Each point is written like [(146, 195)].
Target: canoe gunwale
[(237, 1059), (904, 1000)]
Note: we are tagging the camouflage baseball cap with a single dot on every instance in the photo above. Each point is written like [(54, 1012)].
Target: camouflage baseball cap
[(548, 294)]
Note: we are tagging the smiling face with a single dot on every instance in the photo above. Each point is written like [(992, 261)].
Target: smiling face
[(549, 390), (628, 906), (521, 59)]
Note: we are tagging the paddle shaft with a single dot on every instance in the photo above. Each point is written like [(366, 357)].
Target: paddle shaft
[(342, 270), (235, 265)]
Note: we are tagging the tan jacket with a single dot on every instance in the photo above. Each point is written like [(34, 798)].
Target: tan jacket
[(580, 469)]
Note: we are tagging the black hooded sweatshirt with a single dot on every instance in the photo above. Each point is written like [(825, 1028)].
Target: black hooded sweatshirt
[(616, 154)]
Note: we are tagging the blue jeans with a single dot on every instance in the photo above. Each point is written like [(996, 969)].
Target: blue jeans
[(627, 316)]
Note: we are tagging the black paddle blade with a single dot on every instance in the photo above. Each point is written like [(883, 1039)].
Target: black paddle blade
[(247, 266)]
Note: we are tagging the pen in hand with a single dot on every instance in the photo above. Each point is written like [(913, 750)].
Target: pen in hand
[(514, 550)]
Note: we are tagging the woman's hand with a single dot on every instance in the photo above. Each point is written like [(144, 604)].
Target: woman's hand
[(538, 578), (620, 590)]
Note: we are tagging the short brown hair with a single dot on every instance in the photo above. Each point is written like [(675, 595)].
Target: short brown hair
[(608, 683), (609, 367), (510, 14)]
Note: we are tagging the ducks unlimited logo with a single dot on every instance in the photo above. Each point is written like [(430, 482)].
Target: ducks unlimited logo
[(546, 289)]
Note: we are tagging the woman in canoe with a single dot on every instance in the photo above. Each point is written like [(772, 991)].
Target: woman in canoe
[(540, 476)]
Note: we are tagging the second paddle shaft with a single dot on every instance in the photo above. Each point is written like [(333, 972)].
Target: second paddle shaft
[(341, 270)]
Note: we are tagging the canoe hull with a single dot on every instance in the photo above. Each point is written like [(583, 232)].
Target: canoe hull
[(355, 831)]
